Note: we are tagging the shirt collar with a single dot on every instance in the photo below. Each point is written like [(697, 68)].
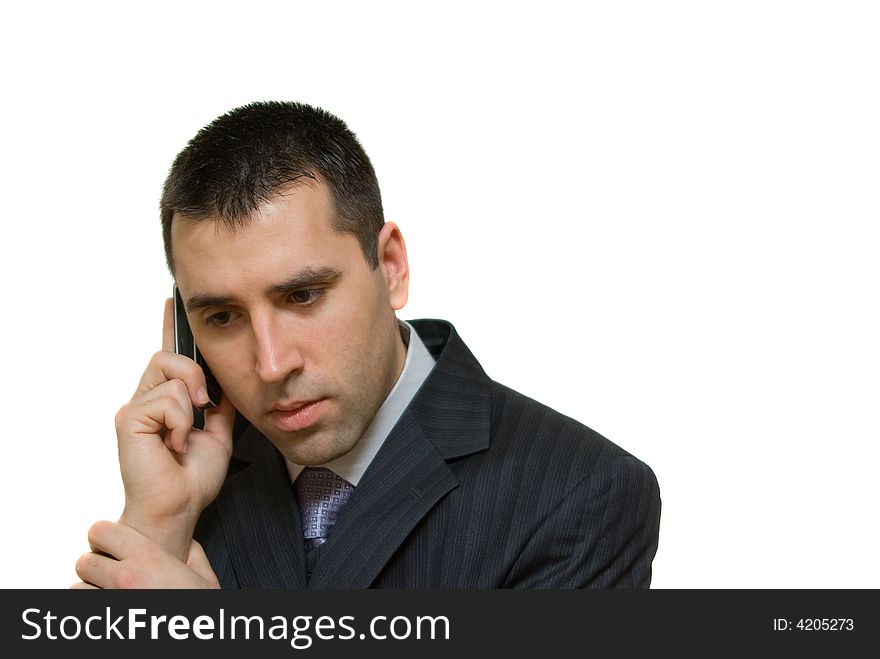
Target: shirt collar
[(416, 369)]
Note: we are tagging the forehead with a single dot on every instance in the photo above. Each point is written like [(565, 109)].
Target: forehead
[(289, 232)]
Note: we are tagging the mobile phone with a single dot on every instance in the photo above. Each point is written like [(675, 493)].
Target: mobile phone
[(185, 344)]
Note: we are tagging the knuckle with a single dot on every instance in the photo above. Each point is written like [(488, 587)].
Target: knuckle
[(125, 578), (158, 357), (83, 563), (97, 531), (121, 416), (172, 395), (177, 388), (181, 363), (192, 372)]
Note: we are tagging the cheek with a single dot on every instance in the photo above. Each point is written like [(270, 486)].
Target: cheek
[(336, 349), (352, 340), (229, 365), (355, 321)]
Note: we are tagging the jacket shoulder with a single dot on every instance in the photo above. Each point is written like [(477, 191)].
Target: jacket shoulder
[(525, 430)]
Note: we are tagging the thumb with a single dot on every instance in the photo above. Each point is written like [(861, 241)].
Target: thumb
[(197, 561)]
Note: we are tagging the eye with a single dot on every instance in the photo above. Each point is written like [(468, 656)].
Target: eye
[(219, 319), (306, 296)]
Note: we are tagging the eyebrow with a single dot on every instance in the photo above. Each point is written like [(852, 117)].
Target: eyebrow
[(306, 277)]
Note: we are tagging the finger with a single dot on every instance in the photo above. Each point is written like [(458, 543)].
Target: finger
[(167, 407), (168, 421), (165, 366), (116, 542), (103, 539), (170, 400), (97, 569), (168, 326), (179, 422), (219, 421), (82, 585)]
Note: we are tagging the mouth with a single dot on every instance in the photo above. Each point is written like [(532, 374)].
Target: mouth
[(296, 416)]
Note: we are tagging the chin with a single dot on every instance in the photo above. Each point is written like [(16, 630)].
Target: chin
[(313, 449)]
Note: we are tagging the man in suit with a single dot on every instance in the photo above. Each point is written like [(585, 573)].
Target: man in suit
[(349, 449)]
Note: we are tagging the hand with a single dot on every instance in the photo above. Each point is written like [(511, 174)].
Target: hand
[(170, 470), (123, 558)]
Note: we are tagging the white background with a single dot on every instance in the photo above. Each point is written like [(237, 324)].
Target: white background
[(660, 218)]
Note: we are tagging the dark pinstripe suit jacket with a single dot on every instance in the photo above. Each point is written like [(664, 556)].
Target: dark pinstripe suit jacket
[(477, 486)]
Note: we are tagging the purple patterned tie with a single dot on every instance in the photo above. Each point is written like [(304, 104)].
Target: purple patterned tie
[(321, 494)]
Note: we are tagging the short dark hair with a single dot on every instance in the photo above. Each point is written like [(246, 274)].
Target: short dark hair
[(245, 157)]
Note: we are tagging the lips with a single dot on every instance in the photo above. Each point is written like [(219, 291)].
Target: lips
[(296, 416), (291, 407)]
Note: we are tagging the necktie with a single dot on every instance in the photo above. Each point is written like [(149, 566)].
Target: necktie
[(321, 494)]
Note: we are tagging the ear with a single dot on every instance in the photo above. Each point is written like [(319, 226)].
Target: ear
[(394, 265)]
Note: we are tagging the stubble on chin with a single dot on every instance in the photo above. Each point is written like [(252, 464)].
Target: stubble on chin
[(318, 447)]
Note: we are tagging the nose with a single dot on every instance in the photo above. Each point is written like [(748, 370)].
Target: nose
[(277, 355)]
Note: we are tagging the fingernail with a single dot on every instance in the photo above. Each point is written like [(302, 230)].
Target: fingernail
[(202, 395)]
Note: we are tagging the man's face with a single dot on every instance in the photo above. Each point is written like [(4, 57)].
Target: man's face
[(299, 331)]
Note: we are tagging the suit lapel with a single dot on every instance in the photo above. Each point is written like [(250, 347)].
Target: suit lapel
[(261, 521), (397, 490)]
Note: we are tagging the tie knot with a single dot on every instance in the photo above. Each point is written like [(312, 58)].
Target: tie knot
[(321, 494)]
